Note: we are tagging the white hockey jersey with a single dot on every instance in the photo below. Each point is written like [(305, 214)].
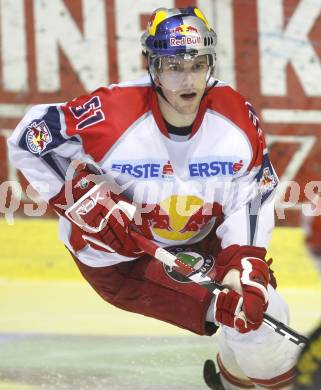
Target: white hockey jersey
[(223, 168)]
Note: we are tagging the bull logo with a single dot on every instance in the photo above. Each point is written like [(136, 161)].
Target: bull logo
[(184, 29), (181, 217), (38, 137), (267, 181)]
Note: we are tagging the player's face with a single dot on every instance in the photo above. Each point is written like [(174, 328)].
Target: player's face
[(183, 82)]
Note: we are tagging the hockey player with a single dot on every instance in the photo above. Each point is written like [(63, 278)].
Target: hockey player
[(188, 151)]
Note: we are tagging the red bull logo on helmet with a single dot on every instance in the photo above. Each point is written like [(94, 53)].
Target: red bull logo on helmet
[(184, 35), (177, 30), (184, 29), (185, 41), (192, 29), (38, 137)]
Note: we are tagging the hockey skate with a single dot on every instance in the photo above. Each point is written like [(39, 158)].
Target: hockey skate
[(211, 377)]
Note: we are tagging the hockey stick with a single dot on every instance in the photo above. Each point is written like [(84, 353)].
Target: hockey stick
[(198, 277), (79, 208)]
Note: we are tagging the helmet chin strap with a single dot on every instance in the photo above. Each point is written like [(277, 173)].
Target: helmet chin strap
[(158, 88)]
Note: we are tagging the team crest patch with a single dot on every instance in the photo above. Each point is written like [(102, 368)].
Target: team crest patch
[(267, 181), (38, 137), (201, 262)]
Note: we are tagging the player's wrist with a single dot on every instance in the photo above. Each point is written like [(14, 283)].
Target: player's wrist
[(74, 189), (232, 256)]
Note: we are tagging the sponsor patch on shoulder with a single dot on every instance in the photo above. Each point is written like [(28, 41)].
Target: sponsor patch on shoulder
[(38, 137)]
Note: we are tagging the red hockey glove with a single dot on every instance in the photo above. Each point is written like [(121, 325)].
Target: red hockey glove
[(103, 216), (253, 277), (227, 307)]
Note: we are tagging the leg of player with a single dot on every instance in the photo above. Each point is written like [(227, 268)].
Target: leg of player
[(264, 366), (256, 359)]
